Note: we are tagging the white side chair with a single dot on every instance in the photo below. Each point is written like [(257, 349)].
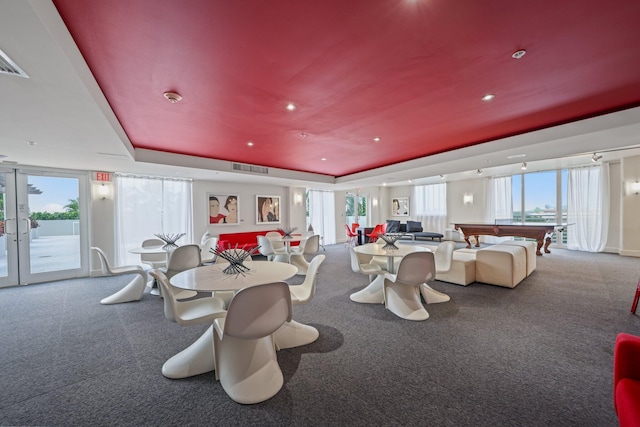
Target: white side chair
[(153, 260), (402, 290), (443, 257), (198, 358), (133, 290), (311, 246), (206, 254), (245, 355), (276, 244), (311, 233), (183, 258), (361, 263), (204, 237), (266, 248), (294, 334)]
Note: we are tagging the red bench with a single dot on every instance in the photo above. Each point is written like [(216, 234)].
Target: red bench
[(245, 240)]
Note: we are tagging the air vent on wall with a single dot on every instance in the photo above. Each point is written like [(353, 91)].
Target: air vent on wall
[(7, 66), (249, 168)]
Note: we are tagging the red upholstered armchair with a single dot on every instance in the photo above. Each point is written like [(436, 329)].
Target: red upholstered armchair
[(626, 379)]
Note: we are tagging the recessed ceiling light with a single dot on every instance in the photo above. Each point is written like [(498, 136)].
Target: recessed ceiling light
[(377, 139), (31, 143), (250, 143), (323, 159), (488, 97), (410, 181), (518, 54), (303, 135), (173, 97), (291, 106)]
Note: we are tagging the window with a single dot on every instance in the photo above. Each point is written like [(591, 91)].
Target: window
[(356, 209), (430, 206), (149, 205)]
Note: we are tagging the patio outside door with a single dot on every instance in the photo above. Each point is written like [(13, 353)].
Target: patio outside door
[(42, 226)]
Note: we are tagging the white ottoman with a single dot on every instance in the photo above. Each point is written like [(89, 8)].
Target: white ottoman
[(501, 265), (463, 268), (530, 247)]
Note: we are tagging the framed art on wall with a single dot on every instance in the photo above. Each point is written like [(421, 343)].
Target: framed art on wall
[(223, 208), (400, 206), (267, 209)]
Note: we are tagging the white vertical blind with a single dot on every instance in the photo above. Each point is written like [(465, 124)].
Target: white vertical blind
[(322, 214), (430, 206), (149, 205), (588, 208)]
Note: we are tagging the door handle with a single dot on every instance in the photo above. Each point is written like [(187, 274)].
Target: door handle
[(6, 226), (28, 225)]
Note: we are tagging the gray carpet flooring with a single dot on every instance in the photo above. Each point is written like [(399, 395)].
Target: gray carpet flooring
[(537, 355)]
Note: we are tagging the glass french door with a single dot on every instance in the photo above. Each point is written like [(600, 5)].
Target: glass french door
[(42, 226)]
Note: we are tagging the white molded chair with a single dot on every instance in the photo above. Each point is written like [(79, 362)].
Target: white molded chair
[(275, 243), (443, 256), (267, 249), (206, 254), (295, 334), (311, 246), (183, 258), (153, 260), (311, 233), (402, 290), (198, 358), (133, 290), (361, 263), (204, 237), (245, 355)]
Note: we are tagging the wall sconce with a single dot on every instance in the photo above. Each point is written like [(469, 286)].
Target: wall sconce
[(103, 190), (633, 188), (374, 202), (297, 199), (467, 199), (524, 166)]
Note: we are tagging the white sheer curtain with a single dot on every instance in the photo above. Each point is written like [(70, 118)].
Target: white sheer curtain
[(430, 206), (588, 208), (499, 207), (149, 205), (322, 215)]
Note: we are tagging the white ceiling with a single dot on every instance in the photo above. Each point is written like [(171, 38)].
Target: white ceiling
[(60, 108)]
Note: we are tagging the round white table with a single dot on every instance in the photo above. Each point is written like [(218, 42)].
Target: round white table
[(373, 294), (211, 278)]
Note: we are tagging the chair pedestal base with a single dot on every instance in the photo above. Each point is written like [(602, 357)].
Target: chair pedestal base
[(372, 294), (132, 292), (431, 296), (294, 334), (196, 359)]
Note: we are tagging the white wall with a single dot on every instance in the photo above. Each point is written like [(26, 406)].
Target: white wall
[(630, 210)]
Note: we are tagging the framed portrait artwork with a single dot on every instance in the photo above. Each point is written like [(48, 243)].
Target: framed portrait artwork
[(267, 209), (400, 206), (223, 208)]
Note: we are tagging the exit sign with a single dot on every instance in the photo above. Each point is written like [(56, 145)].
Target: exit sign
[(103, 176)]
